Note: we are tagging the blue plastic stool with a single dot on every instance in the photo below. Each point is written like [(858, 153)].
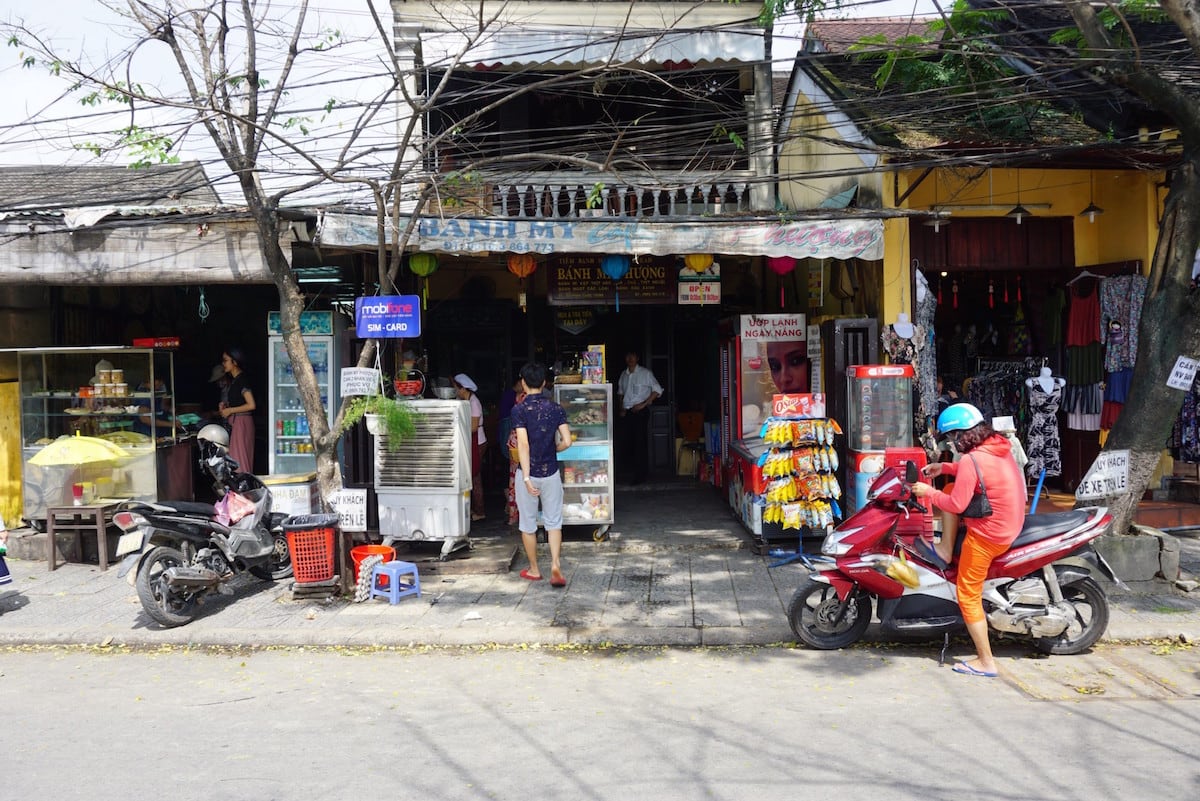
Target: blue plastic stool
[(386, 583)]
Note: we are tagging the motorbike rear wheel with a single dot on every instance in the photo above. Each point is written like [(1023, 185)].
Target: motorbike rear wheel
[(813, 616), (279, 565), (161, 605), (1091, 619)]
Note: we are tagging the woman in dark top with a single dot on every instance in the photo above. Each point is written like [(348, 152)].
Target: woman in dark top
[(238, 411)]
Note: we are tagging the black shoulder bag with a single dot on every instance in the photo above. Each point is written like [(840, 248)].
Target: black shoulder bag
[(979, 506)]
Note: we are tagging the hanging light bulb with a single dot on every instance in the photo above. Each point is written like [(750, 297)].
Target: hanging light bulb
[(1092, 209), (940, 216), (1018, 212)]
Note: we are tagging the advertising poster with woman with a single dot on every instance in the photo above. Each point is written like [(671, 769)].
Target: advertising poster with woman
[(774, 359)]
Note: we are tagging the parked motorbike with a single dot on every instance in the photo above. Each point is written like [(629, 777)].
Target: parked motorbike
[(180, 551), (881, 554)]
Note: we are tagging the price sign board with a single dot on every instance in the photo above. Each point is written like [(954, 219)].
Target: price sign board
[(351, 508), (1109, 475)]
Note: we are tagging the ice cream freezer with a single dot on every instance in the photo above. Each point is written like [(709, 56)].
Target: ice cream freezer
[(423, 486)]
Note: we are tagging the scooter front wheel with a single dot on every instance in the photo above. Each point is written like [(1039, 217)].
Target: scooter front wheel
[(821, 620), (166, 608)]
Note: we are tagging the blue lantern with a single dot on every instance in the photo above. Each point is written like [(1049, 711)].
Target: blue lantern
[(616, 267)]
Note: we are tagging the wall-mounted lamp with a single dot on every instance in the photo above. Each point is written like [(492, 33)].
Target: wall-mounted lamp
[(1092, 209)]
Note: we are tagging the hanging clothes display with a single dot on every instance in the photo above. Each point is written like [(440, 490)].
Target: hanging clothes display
[(1121, 299), (926, 363), (1083, 399), (1042, 443), (1185, 438)]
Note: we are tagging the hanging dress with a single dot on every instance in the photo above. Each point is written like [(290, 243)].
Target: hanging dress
[(1042, 442)]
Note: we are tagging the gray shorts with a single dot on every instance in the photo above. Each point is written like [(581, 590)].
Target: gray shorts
[(550, 495)]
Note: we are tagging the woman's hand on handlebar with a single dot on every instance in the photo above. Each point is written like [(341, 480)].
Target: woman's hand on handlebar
[(920, 489)]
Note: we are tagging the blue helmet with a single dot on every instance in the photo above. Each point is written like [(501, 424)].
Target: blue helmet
[(959, 417)]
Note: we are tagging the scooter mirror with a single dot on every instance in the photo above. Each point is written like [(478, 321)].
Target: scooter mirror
[(910, 472)]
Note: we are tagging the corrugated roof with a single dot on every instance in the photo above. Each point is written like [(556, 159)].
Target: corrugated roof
[(838, 35), (894, 116), (47, 188)]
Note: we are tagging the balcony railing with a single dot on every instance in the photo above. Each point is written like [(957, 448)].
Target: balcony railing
[(560, 195)]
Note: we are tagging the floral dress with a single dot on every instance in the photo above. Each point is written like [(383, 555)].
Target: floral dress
[(1043, 445)]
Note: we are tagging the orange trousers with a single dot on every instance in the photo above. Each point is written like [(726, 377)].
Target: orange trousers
[(973, 563)]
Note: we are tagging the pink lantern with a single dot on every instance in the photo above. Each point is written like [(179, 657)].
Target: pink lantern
[(781, 266)]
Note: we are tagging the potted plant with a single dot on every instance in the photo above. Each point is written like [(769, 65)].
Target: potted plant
[(385, 416)]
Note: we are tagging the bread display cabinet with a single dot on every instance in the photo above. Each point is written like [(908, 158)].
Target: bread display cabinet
[(98, 425), (587, 466)]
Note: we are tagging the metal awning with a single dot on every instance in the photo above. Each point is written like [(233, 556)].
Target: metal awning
[(819, 239), (527, 48)]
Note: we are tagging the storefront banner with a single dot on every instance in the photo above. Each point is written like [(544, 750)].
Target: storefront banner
[(818, 239), (579, 281), (388, 316)]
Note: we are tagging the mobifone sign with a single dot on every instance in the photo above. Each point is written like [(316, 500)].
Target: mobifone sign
[(388, 317)]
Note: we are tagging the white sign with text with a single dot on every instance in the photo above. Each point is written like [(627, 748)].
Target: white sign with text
[(1182, 374), (1109, 475), (351, 508), (360, 381)]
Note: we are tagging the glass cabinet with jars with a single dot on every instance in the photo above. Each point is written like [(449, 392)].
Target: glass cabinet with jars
[(587, 465), (98, 425)]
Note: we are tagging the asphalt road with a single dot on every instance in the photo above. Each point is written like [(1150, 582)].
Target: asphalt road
[(572, 723)]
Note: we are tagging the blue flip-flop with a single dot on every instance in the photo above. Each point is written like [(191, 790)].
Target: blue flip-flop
[(967, 670)]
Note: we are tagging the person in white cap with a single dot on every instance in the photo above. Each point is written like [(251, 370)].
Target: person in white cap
[(467, 390)]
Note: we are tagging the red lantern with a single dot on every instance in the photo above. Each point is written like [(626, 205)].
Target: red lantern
[(781, 266), (522, 266)]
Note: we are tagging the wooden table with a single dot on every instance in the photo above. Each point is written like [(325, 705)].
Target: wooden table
[(79, 520)]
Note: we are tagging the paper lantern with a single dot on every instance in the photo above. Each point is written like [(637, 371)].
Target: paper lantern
[(424, 265), (781, 266), (698, 262), (521, 265), (616, 267)]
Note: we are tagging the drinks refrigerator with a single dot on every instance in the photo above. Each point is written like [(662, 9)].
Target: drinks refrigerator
[(288, 440), (878, 418)]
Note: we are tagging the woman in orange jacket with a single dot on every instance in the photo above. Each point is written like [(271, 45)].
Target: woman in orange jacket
[(986, 538)]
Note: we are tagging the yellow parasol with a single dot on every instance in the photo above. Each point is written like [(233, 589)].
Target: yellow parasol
[(77, 450)]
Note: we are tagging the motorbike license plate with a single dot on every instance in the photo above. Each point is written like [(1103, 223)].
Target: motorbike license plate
[(130, 542)]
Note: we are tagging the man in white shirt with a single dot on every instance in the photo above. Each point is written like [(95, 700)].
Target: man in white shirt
[(636, 390)]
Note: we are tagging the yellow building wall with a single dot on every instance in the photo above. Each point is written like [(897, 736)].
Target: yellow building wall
[(10, 454), (812, 154)]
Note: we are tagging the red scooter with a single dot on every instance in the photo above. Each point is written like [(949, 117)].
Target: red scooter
[(882, 552)]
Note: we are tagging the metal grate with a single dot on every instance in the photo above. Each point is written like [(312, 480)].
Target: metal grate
[(424, 460)]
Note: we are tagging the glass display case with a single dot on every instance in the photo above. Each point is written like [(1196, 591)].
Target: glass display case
[(98, 423), (587, 466), (878, 417)]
